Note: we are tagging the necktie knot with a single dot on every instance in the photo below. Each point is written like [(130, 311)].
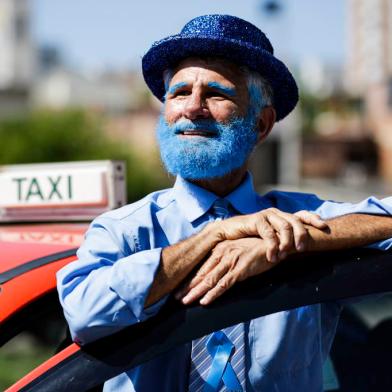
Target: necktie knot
[(221, 209)]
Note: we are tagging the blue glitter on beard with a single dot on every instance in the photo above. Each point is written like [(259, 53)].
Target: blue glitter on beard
[(226, 149)]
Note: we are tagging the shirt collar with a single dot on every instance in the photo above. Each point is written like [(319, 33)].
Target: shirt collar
[(195, 201), (244, 198)]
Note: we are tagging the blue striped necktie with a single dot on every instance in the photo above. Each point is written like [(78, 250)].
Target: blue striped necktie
[(218, 360)]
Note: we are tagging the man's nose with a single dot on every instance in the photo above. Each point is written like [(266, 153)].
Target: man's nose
[(195, 107)]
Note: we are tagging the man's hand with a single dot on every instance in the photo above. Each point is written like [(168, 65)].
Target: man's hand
[(281, 231), (231, 261)]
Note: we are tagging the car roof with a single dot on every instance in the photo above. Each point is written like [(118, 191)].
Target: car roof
[(22, 243)]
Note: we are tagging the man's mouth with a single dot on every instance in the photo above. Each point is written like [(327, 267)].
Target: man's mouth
[(198, 132)]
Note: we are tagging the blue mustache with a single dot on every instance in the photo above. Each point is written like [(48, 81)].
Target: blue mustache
[(199, 125)]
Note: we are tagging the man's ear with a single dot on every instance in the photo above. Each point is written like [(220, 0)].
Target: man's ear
[(265, 123)]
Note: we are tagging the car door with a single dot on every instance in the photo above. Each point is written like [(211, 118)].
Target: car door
[(336, 276)]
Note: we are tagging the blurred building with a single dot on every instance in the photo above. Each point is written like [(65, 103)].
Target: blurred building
[(16, 56), (60, 87), (369, 71), (318, 78)]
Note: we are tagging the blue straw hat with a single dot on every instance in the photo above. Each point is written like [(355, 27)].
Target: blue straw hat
[(222, 36)]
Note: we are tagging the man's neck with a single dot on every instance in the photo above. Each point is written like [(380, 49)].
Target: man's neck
[(223, 186)]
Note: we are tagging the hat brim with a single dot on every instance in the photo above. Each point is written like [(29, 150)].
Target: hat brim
[(167, 53)]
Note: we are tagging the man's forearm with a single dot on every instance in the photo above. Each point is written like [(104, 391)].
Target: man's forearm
[(178, 260), (344, 232), (350, 231), (249, 253)]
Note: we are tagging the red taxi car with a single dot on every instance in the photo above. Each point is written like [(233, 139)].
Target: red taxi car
[(31, 253), (33, 245)]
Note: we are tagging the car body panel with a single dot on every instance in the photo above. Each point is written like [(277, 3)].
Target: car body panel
[(335, 276), (29, 259), (47, 365), (21, 290)]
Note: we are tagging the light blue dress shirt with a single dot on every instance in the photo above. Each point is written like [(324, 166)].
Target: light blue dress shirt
[(106, 288)]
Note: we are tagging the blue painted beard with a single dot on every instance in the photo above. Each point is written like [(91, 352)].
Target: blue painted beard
[(227, 147)]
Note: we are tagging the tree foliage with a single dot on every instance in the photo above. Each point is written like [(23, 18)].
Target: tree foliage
[(72, 135)]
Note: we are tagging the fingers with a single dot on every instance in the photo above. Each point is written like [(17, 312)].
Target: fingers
[(295, 236), (292, 233), (231, 261), (311, 219), (242, 268), (208, 265), (268, 234), (284, 226), (211, 280), (223, 285)]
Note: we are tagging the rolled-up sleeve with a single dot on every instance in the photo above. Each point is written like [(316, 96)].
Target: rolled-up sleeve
[(371, 206), (106, 288), (131, 279)]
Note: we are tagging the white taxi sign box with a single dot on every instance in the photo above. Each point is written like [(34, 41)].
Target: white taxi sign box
[(67, 191)]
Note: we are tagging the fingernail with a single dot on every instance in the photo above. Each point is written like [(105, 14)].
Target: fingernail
[(203, 301), (300, 246), (274, 259)]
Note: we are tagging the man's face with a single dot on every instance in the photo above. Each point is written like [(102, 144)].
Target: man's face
[(199, 89), (206, 129)]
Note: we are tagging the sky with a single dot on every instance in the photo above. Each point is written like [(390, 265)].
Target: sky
[(97, 35)]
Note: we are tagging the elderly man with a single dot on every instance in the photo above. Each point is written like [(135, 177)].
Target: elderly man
[(222, 91)]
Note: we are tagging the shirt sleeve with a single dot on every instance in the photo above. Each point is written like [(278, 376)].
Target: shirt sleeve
[(371, 205), (106, 288)]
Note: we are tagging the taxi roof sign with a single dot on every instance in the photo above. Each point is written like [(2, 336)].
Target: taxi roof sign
[(67, 191)]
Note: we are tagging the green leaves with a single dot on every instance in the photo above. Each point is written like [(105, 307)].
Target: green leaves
[(72, 135)]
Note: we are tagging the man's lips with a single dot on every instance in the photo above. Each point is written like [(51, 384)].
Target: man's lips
[(196, 132)]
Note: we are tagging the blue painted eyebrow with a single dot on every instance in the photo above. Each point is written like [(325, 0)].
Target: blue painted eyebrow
[(177, 86), (224, 89)]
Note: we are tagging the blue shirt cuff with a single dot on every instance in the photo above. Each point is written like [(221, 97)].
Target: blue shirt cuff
[(371, 205), (131, 278)]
